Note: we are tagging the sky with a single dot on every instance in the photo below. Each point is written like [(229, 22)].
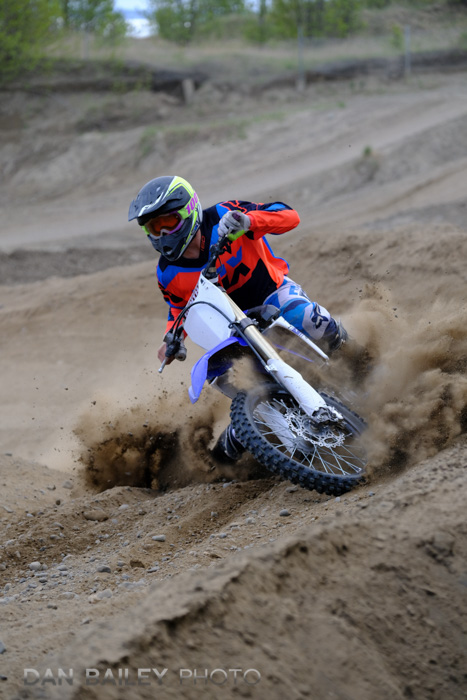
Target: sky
[(133, 10), (131, 5)]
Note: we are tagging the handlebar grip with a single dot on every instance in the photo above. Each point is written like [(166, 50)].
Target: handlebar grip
[(234, 235), (176, 349), (181, 352)]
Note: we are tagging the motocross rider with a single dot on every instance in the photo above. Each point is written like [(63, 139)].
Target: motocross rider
[(169, 211)]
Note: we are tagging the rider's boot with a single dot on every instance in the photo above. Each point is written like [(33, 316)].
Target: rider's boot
[(335, 336), (356, 355), (227, 448)]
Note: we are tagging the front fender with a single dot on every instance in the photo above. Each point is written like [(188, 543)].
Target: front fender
[(200, 371)]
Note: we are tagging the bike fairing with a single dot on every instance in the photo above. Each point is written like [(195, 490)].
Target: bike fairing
[(248, 270), (201, 369)]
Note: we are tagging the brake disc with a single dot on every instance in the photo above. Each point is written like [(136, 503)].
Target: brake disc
[(297, 430)]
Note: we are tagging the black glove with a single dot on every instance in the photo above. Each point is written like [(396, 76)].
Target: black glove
[(175, 347)]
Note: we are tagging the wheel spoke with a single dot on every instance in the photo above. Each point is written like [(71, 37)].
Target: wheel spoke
[(352, 466), (322, 461), (291, 431)]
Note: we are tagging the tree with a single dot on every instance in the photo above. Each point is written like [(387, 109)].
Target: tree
[(317, 18), (93, 16), (184, 20), (257, 25), (25, 26), (175, 20), (341, 18)]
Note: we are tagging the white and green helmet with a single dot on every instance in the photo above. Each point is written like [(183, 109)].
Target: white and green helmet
[(168, 195)]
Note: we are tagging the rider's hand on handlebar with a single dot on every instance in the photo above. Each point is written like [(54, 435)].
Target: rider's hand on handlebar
[(233, 225), (162, 356), (173, 348)]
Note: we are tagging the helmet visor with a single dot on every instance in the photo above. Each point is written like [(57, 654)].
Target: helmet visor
[(164, 224)]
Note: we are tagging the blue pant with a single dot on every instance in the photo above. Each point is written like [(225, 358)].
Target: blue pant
[(295, 306)]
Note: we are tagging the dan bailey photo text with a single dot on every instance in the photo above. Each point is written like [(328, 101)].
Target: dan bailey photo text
[(141, 676)]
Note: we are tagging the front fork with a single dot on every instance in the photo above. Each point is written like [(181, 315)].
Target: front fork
[(285, 375)]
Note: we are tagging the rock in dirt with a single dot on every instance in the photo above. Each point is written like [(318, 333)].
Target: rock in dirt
[(95, 514)]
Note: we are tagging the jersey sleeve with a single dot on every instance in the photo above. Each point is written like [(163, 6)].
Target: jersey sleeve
[(176, 291), (274, 218), (276, 222), (176, 305)]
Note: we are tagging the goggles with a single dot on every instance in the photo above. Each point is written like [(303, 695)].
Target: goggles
[(164, 225)]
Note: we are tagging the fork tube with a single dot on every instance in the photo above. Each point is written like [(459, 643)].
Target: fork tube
[(261, 345)]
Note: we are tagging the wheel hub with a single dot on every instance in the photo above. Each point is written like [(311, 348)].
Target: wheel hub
[(297, 430)]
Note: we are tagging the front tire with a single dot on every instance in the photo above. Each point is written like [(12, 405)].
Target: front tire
[(325, 457)]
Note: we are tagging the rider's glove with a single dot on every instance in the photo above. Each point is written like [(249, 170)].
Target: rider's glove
[(175, 347), (233, 225)]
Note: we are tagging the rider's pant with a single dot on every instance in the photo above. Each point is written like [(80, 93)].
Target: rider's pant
[(295, 306)]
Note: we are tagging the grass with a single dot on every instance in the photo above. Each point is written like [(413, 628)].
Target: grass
[(176, 136), (148, 141)]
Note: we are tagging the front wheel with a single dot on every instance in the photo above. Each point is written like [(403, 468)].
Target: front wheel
[(324, 456)]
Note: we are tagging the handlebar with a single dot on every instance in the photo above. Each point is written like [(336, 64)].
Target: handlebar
[(175, 345), (175, 348), (210, 271)]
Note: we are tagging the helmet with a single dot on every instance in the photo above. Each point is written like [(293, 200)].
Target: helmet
[(170, 212)]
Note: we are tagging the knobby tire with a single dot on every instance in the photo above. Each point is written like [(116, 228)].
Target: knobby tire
[(278, 458)]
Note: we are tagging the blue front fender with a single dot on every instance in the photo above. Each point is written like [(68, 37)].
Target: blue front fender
[(200, 371)]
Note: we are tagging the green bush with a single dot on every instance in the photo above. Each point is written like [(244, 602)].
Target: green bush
[(341, 18), (94, 16), (25, 26), (377, 4), (397, 37), (318, 18), (184, 22)]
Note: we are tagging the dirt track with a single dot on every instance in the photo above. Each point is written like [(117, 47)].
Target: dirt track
[(361, 597)]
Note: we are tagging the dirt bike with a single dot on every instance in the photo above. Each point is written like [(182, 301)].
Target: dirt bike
[(306, 436)]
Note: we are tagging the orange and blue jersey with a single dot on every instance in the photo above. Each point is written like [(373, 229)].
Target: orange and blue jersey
[(248, 269)]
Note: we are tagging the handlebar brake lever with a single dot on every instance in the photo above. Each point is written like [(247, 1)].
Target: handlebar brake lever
[(175, 349)]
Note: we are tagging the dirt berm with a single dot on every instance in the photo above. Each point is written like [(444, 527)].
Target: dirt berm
[(382, 619)]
